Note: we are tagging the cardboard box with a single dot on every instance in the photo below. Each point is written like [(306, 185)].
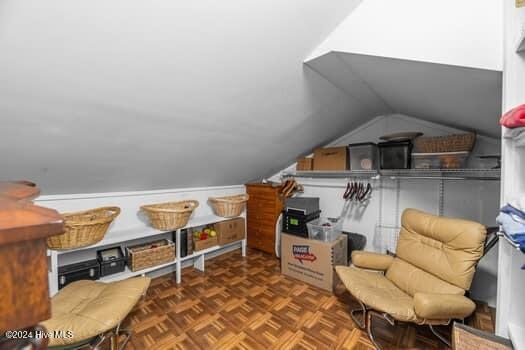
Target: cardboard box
[(305, 164), (205, 243), (313, 261), (333, 158), (230, 231)]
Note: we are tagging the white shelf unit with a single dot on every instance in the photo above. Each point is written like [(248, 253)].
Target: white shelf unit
[(430, 174), (520, 140), (127, 273), (117, 237), (510, 321)]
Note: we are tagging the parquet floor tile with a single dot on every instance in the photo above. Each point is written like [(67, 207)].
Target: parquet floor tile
[(245, 303)]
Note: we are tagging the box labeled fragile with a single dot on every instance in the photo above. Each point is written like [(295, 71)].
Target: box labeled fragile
[(313, 261)]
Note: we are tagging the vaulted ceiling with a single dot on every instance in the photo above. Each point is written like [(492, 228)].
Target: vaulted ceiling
[(462, 97), (114, 95)]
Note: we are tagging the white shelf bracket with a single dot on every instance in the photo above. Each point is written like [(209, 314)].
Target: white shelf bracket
[(178, 270), (198, 262)]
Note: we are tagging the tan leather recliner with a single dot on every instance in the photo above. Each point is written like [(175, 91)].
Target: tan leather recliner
[(425, 282)]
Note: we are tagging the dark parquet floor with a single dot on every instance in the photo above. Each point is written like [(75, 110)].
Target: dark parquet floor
[(245, 303)]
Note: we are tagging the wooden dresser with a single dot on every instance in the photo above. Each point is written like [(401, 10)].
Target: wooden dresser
[(263, 209), (24, 297)]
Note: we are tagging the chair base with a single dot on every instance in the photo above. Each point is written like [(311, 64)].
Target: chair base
[(366, 322), (369, 316), (439, 336), (360, 323)]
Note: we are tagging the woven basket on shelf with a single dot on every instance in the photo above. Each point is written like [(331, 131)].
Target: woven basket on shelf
[(449, 143), (83, 228), (230, 206), (150, 254), (170, 215)]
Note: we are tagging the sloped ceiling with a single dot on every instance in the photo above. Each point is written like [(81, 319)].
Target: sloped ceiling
[(467, 33), (114, 95), (461, 97)]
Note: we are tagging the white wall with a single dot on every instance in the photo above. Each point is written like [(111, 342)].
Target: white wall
[(464, 33), (474, 200), (511, 279), (131, 217)]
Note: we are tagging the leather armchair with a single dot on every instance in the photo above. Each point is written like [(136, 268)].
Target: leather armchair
[(371, 261), (426, 281)]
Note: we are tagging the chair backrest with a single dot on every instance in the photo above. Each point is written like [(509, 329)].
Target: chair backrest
[(436, 254)]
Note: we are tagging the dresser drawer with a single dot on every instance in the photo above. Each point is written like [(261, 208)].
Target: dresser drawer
[(261, 213), (262, 194), (263, 243), (261, 223), (261, 207), (267, 231), (267, 245)]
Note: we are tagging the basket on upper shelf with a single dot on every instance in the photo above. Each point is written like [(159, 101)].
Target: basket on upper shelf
[(448, 143), (229, 206), (170, 215), (83, 228)]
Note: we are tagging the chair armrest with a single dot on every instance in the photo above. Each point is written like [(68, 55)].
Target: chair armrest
[(442, 306), (372, 261)]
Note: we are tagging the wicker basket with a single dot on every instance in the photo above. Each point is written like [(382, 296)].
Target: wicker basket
[(170, 215), (83, 228), (150, 254), (230, 206), (449, 143)]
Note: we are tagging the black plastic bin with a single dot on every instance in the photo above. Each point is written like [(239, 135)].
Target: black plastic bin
[(111, 261), (395, 154), (294, 222), (85, 270)]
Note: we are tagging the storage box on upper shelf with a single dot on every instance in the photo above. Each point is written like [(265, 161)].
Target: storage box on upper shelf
[(395, 154), (305, 164), (448, 160), (333, 158), (363, 156)]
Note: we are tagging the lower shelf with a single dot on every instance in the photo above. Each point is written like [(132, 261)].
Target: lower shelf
[(127, 273)]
